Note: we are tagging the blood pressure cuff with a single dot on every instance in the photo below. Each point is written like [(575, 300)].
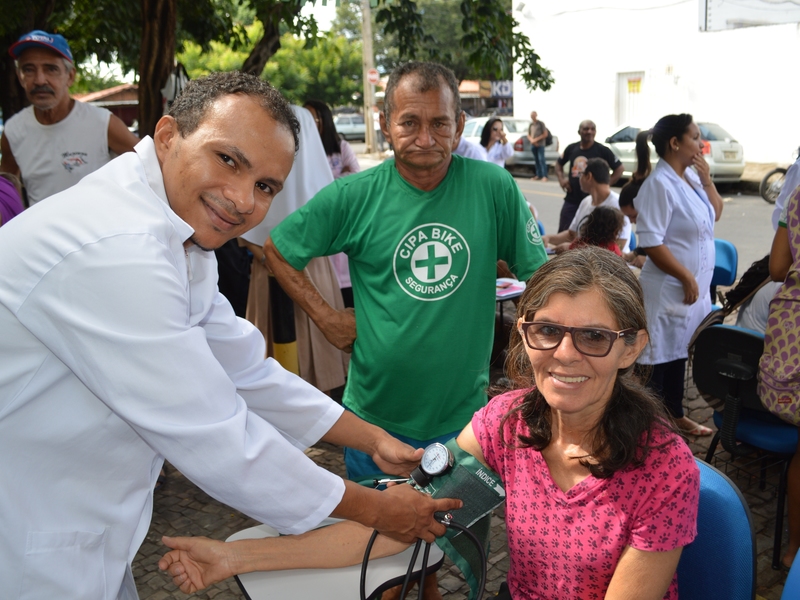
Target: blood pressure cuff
[(481, 491)]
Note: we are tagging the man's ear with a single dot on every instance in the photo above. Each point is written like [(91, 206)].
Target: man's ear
[(164, 136), (71, 77), (384, 126), (462, 119)]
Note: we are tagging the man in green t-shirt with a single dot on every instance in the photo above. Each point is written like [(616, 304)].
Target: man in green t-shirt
[(423, 234)]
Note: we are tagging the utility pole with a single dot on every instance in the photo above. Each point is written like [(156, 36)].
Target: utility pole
[(367, 63)]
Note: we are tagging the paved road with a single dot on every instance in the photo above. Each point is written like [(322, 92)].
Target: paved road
[(746, 219)]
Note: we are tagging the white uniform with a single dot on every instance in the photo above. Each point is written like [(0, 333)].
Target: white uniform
[(471, 150), (586, 207), (498, 153), (679, 216), (117, 351), (52, 158), (754, 313)]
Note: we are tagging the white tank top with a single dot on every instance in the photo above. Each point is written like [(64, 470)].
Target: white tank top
[(52, 158)]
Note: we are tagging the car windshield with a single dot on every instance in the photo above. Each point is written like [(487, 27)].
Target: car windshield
[(515, 126), (714, 133), (626, 134)]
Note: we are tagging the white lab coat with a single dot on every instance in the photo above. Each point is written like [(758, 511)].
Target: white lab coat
[(498, 153), (680, 216), (471, 150), (117, 351)]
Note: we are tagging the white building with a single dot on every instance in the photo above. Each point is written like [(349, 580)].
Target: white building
[(632, 61)]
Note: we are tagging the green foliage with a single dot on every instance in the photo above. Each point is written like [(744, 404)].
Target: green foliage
[(330, 71), (218, 56), (495, 46), (91, 78), (475, 38)]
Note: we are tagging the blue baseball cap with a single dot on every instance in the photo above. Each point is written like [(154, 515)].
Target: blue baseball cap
[(41, 39)]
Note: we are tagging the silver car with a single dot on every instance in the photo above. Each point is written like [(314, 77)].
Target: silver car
[(724, 155), (517, 134), (350, 126)]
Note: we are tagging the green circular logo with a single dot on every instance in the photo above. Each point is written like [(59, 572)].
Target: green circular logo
[(431, 261), (532, 231)]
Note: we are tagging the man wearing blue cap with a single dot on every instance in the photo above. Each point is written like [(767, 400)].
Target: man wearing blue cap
[(57, 140)]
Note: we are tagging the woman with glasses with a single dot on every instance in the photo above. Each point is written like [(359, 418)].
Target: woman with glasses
[(601, 492), (493, 139)]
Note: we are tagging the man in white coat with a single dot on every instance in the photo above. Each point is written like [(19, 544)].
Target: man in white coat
[(118, 351)]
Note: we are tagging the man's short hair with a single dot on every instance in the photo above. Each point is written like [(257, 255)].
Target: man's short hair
[(599, 170), (190, 107), (429, 76)]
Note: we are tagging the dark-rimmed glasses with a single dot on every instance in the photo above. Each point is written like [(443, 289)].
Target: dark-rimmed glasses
[(590, 341)]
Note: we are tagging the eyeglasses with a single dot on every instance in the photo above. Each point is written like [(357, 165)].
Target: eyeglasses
[(589, 341)]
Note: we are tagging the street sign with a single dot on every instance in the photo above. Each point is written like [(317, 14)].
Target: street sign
[(373, 76)]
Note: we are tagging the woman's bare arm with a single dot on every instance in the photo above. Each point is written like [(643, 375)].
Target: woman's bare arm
[(197, 562)]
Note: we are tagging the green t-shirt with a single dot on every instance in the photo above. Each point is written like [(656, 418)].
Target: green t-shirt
[(423, 269)]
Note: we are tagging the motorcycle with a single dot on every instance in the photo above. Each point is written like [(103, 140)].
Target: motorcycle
[(772, 183)]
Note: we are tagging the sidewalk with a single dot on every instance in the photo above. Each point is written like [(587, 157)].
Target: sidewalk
[(180, 508)]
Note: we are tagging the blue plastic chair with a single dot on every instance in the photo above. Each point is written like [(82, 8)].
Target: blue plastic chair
[(791, 589), (632, 241), (720, 564), (725, 266), (724, 366)]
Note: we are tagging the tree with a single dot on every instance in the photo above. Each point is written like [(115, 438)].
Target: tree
[(329, 71), (143, 35), (114, 31), (475, 38)]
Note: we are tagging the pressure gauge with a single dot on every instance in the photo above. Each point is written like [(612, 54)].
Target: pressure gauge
[(436, 460)]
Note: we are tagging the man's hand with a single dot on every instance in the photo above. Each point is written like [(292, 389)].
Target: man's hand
[(395, 457), (563, 247), (196, 562), (407, 514), (340, 329), (564, 183)]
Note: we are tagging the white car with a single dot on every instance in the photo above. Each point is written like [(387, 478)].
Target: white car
[(723, 153), (517, 134), (350, 126)]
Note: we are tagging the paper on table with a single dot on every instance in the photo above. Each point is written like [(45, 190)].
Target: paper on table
[(509, 288)]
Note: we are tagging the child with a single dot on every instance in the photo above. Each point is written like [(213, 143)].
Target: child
[(600, 228)]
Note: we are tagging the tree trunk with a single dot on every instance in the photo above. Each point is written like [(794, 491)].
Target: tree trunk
[(266, 47), (156, 60), (12, 95)]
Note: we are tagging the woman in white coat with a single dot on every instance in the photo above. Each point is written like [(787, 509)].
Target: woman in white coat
[(678, 206), (493, 139)]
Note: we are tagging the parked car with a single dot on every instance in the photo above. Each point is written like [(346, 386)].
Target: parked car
[(350, 126), (517, 134), (723, 153)]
